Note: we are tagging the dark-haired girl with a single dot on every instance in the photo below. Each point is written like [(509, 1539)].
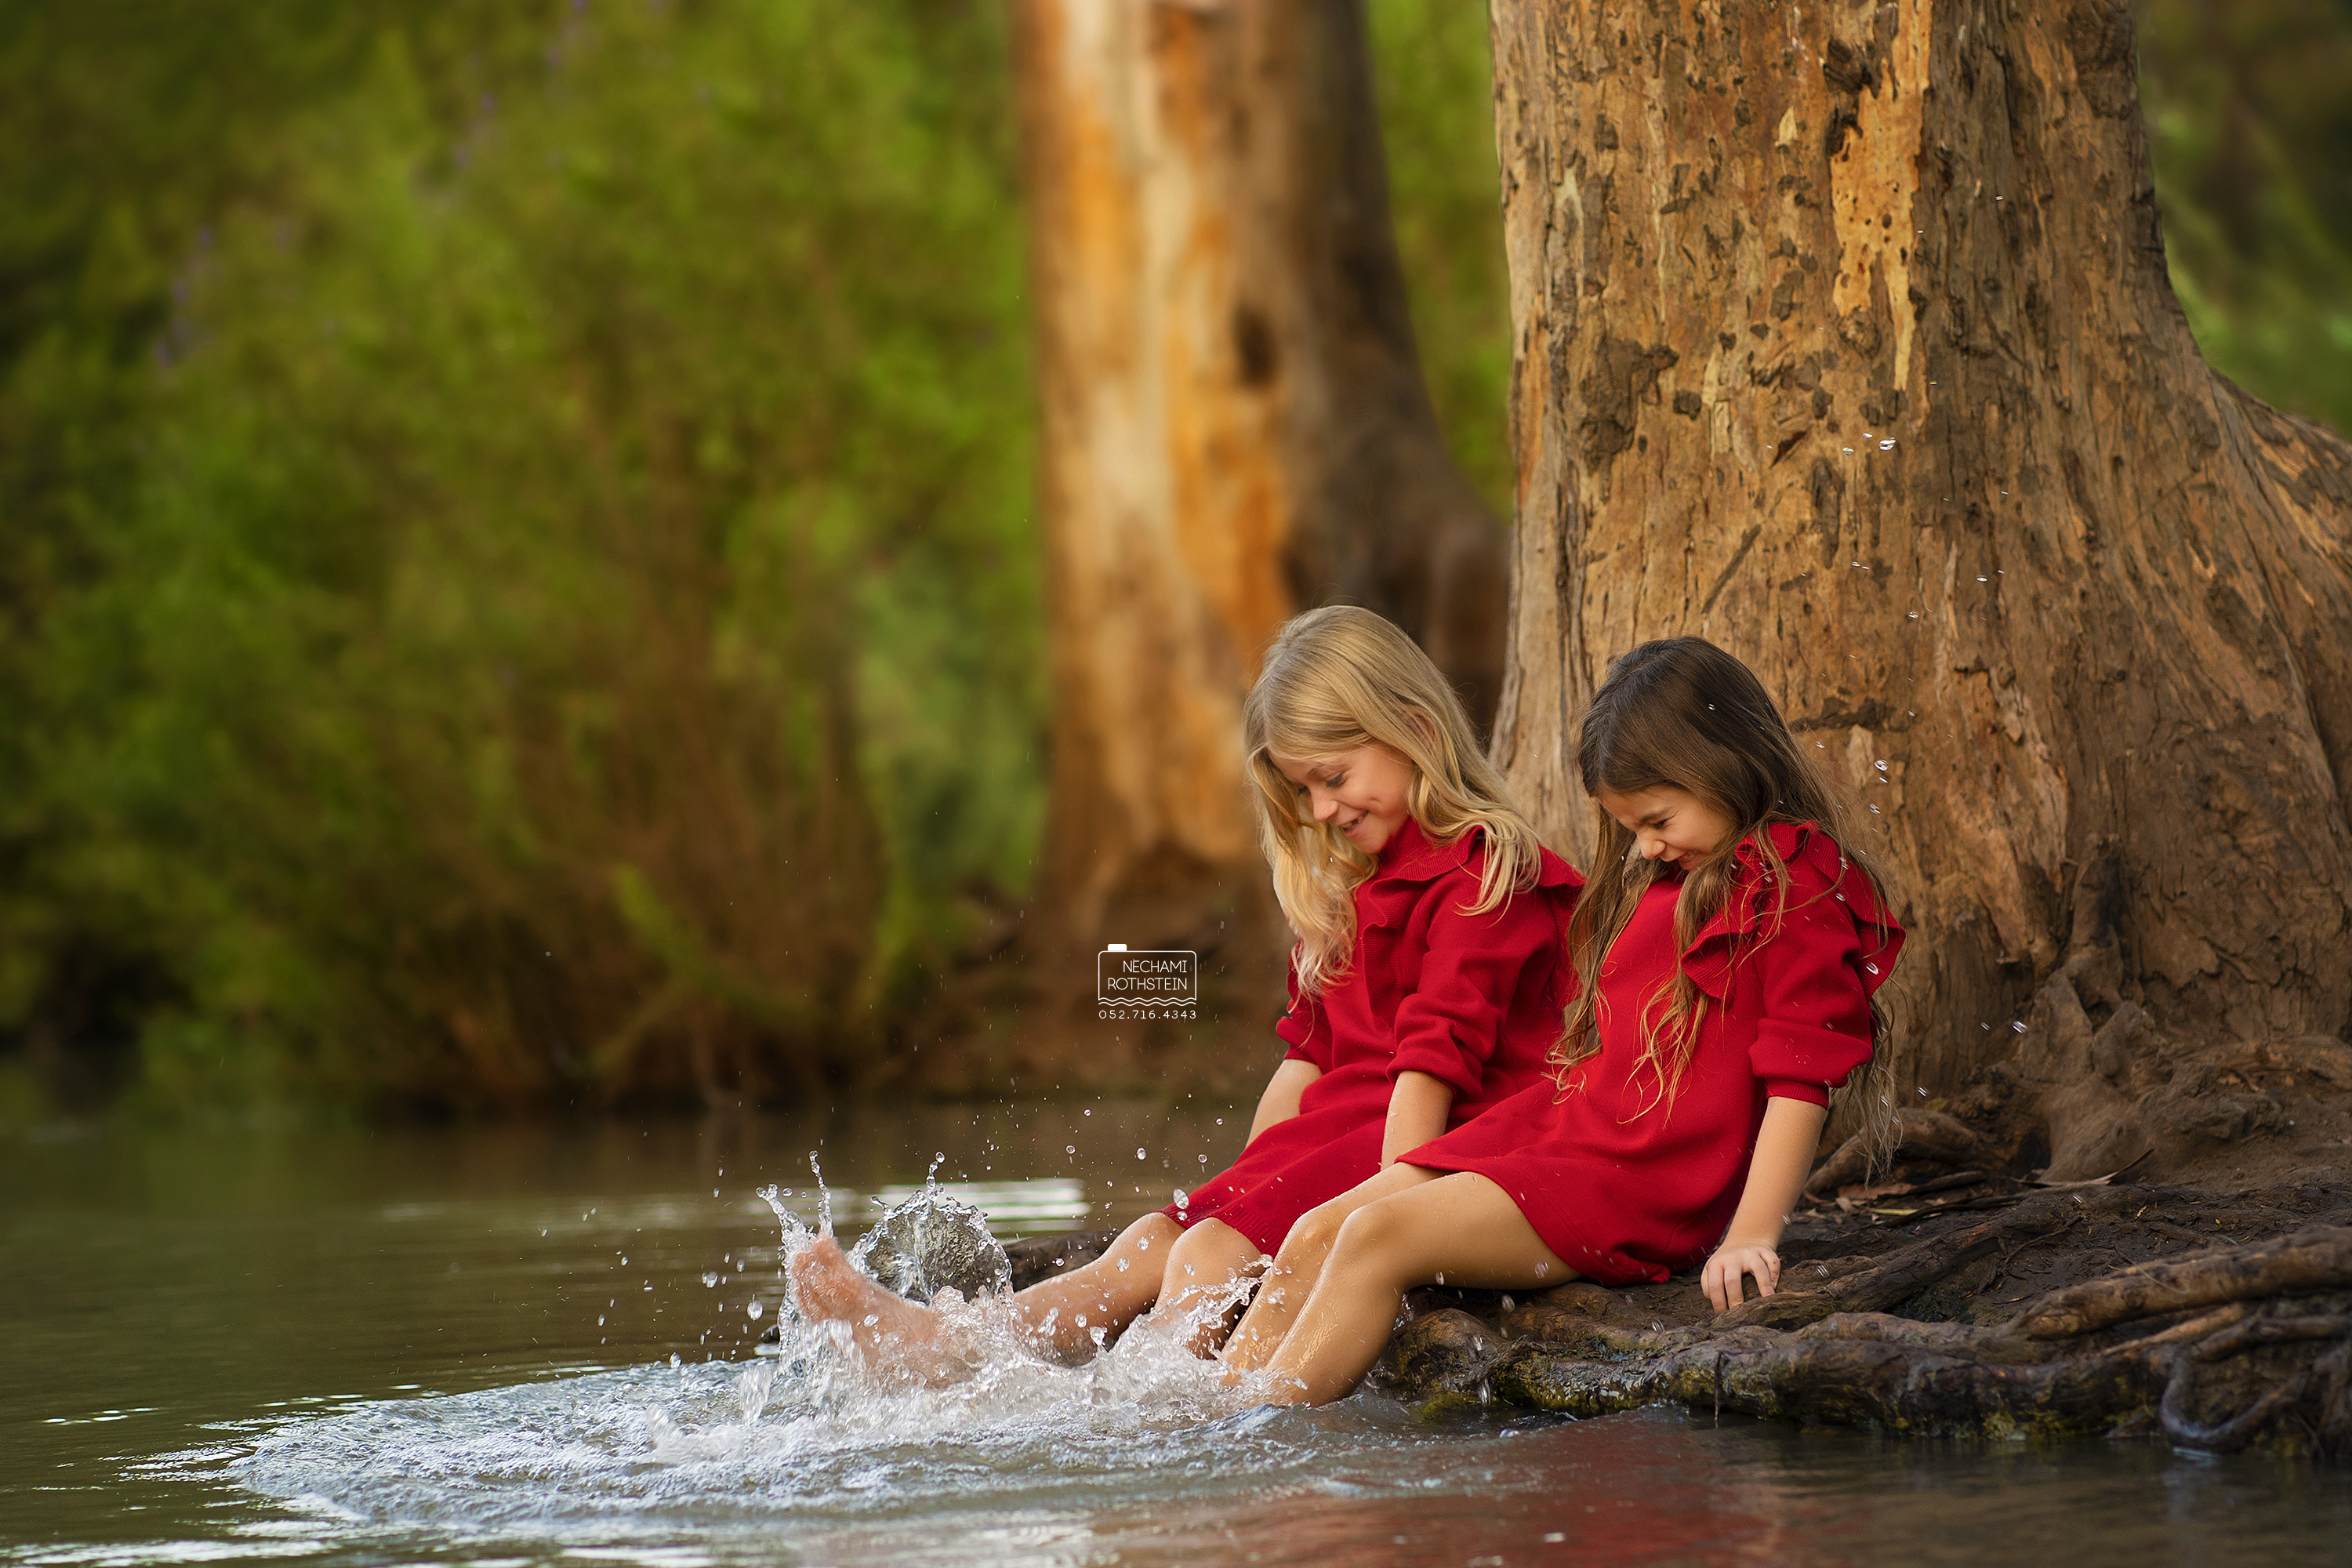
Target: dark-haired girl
[(1730, 943)]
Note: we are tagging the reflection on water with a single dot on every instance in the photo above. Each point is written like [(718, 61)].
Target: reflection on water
[(511, 1345)]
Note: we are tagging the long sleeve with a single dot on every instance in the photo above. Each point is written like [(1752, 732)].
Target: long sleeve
[(1816, 1027), (1470, 972)]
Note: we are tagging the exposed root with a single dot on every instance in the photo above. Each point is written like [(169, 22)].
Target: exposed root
[(1917, 1135), (2217, 1349), (2316, 1259), (1905, 1274)]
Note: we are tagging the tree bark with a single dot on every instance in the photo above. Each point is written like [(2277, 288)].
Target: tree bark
[(1844, 338), (1235, 424)]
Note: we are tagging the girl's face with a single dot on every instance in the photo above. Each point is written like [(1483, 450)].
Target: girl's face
[(1668, 824), (1362, 793)]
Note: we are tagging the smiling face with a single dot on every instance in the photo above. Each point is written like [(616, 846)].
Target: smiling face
[(1668, 824), (1362, 793)]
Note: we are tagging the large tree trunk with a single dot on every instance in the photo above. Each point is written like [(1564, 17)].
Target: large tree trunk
[(1234, 425), (1845, 338)]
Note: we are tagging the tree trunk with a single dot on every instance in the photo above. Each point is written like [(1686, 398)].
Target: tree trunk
[(1234, 425), (1844, 338)]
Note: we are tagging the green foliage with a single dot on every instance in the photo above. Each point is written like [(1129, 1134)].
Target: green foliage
[(2250, 126), (1437, 116), (471, 700)]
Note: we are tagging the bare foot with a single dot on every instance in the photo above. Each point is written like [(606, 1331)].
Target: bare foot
[(893, 1333)]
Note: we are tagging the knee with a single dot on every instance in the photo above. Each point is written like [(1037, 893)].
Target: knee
[(1211, 1250), (1312, 1234), (1374, 1231)]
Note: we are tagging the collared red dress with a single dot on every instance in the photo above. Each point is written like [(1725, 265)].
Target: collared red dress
[(1476, 1000), (1628, 1188)]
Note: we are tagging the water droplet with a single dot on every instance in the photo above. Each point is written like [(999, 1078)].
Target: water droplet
[(1914, 614), (1872, 967), (753, 1310), (1983, 579), (1880, 766), (2018, 1027), (1886, 445), (1080, 1320), (709, 1278), (1123, 1266), (1138, 1153), (1070, 1148), (600, 1320)]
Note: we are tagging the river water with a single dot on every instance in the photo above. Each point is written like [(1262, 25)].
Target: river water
[(518, 1345)]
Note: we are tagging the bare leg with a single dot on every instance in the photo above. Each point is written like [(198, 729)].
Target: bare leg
[(1299, 1264), (1463, 1226), (1202, 1267), (1062, 1313)]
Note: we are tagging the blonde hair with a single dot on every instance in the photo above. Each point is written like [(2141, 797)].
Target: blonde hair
[(1336, 679), (1684, 713)]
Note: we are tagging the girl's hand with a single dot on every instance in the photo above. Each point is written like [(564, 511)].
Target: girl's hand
[(1418, 1103), (1784, 1150), (1725, 1276)]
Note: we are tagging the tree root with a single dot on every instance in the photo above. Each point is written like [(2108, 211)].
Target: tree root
[(2216, 1348)]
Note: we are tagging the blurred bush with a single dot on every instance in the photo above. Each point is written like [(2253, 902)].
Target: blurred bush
[(2249, 107), (1435, 82), (564, 621)]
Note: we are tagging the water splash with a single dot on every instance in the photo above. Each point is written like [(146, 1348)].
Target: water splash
[(797, 1236), (933, 1242)]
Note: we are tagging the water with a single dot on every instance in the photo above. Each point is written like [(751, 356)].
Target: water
[(364, 1348)]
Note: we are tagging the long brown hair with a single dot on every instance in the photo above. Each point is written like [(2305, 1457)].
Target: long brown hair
[(1337, 678), (1683, 713)]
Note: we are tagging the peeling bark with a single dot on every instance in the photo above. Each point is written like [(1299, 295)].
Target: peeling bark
[(1844, 338)]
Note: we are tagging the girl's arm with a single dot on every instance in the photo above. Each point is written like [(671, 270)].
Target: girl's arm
[(1280, 1101), (1418, 1106), (1784, 1152)]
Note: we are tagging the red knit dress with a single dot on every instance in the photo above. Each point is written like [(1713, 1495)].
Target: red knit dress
[(1476, 1000), (1626, 1188)]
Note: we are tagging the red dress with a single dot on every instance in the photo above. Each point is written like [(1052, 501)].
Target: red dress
[(1627, 1189), (1476, 1000)]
